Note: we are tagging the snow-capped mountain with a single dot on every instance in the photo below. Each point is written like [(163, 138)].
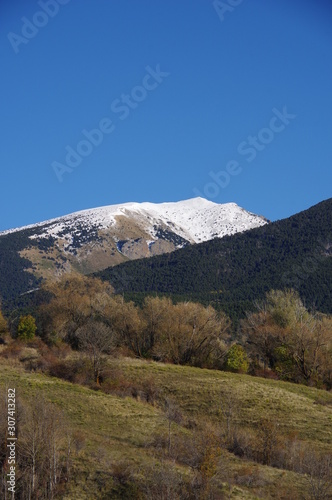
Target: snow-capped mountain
[(93, 239), (195, 220)]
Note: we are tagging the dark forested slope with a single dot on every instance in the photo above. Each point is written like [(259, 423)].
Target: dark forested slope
[(16, 276), (234, 271)]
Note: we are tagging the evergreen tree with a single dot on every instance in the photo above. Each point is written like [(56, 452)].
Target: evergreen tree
[(236, 359), (26, 328)]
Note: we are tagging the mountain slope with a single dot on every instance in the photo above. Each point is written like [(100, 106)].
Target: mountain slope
[(195, 220), (235, 271), (129, 433), (92, 240)]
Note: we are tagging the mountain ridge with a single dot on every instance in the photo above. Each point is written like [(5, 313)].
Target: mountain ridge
[(94, 239), (105, 215)]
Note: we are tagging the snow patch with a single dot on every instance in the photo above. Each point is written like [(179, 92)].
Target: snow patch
[(195, 220)]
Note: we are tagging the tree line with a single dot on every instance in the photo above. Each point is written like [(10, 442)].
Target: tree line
[(279, 339), (234, 271)]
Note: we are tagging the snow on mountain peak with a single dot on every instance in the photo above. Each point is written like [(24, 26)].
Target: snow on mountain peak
[(195, 219)]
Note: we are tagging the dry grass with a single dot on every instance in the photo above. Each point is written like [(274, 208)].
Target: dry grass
[(113, 430), (199, 392)]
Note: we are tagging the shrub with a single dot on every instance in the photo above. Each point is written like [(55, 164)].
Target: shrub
[(26, 328), (12, 351), (76, 371), (236, 359)]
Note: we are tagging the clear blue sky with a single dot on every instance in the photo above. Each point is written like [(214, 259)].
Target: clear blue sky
[(227, 73)]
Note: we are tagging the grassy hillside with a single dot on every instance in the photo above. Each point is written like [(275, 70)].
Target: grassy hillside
[(232, 272), (119, 449)]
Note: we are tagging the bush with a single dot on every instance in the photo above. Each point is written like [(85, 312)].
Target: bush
[(76, 371), (115, 382), (12, 351), (236, 359), (264, 373), (26, 328)]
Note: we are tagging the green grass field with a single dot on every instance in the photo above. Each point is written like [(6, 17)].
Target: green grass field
[(113, 430)]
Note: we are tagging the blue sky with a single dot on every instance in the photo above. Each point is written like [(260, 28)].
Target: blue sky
[(187, 97)]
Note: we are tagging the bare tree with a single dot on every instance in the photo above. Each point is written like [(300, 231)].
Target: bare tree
[(96, 339), (155, 311), (229, 406), (268, 440), (192, 334), (318, 471), (54, 446), (76, 299), (129, 325), (41, 444), (173, 414), (32, 446)]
